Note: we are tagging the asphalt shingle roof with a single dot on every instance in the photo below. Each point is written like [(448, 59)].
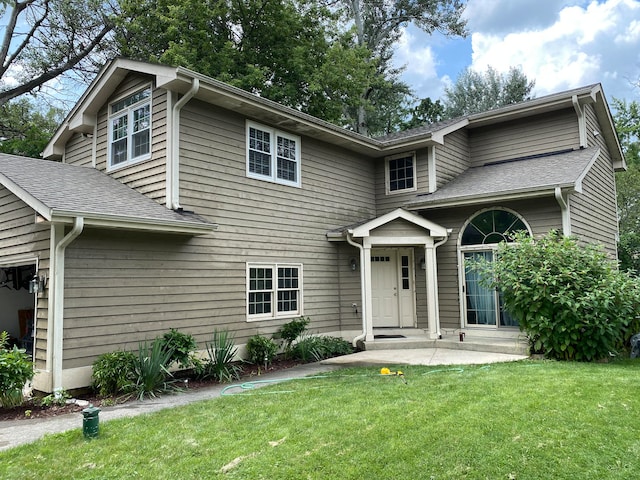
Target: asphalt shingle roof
[(516, 176), (85, 191)]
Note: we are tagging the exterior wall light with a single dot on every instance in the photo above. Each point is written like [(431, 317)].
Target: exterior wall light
[(353, 264), (423, 264)]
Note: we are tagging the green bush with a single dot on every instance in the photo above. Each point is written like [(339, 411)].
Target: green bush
[(221, 352), (261, 350), (182, 347), (16, 369), (290, 331), (114, 373), (150, 367), (570, 299), (314, 348)]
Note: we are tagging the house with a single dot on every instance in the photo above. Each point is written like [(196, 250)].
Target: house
[(168, 199)]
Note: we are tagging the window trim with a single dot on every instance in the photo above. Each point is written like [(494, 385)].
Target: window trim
[(275, 314), (129, 110), (275, 134), (387, 175)]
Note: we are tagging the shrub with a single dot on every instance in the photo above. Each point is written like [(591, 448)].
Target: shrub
[(221, 352), (316, 347), (570, 299), (113, 373), (16, 369), (151, 376), (290, 331), (181, 345), (261, 350)]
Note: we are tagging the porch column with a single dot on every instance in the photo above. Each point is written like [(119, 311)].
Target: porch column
[(368, 310), (431, 272)]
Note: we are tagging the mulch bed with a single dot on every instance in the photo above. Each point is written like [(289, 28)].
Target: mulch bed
[(31, 408)]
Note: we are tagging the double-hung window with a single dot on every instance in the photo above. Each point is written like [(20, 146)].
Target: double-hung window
[(274, 290), (400, 173), (130, 129), (272, 155)]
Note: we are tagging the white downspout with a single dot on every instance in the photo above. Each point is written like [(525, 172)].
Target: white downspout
[(58, 300), (174, 174), (564, 211), (363, 290), (437, 302)]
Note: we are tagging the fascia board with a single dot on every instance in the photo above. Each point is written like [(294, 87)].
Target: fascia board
[(364, 230), (578, 184), (40, 208), (140, 224)]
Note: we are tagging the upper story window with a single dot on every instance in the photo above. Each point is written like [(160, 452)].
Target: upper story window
[(130, 129), (400, 173), (273, 155)]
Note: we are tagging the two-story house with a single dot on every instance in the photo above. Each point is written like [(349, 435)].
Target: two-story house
[(168, 199)]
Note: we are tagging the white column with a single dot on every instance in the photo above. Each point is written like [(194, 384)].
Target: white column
[(368, 311), (431, 272)]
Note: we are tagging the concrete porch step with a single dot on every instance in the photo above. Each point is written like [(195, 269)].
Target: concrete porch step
[(479, 341)]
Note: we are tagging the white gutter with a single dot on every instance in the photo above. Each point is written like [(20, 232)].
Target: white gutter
[(564, 210), (582, 120), (363, 290), (58, 300), (173, 201)]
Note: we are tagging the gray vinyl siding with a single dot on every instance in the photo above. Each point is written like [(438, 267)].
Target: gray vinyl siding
[(541, 214), (594, 211), (260, 221), (387, 202), (520, 138), (78, 151), (147, 177), (20, 236), (453, 157)]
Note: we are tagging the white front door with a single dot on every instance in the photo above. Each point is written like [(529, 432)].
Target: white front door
[(392, 292)]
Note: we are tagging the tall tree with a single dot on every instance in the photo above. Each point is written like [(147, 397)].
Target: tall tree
[(43, 39), (475, 92), (24, 129)]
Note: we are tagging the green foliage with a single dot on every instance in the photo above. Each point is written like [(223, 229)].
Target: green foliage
[(569, 299), (16, 369), (24, 129), (221, 351), (114, 373), (290, 331), (151, 376), (55, 399), (475, 92), (261, 350), (181, 347), (314, 348)]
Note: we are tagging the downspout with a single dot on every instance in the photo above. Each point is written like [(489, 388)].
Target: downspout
[(174, 202), (363, 292), (58, 300), (564, 211), (437, 303)]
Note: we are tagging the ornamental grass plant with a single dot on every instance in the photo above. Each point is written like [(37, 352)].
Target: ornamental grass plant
[(524, 420)]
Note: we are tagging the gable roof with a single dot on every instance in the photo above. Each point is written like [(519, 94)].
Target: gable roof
[(520, 178), (59, 192)]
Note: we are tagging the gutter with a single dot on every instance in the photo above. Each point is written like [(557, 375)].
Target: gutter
[(564, 212), (173, 199), (363, 291), (58, 300)]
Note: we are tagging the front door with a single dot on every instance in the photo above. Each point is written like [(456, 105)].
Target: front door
[(392, 288)]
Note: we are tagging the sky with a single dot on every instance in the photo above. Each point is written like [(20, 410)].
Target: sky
[(561, 44)]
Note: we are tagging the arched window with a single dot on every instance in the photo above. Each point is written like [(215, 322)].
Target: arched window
[(480, 236)]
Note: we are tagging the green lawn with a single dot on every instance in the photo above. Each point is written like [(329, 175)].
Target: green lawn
[(525, 420)]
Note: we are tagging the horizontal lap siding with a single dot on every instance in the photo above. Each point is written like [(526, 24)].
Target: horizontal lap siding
[(521, 138), (452, 158), (78, 150), (541, 214), (21, 237), (264, 222), (594, 211), (387, 202), (147, 177)]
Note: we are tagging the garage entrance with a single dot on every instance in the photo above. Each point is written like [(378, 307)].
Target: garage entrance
[(17, 304)]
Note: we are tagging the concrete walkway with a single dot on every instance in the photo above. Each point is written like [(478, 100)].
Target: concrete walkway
[(18, 432)]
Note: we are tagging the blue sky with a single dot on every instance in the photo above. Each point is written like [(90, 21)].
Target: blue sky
[(561, 44)]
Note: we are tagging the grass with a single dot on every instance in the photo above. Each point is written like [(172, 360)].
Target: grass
[(525, 420)]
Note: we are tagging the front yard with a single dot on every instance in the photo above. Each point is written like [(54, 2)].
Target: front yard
[(525, 420)]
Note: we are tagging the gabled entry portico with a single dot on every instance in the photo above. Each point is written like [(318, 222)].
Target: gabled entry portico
[(388, 246)]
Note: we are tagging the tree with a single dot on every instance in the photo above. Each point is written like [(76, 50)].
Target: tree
[(44, 39), (24, 130), (475, 92), (378, 26), (425, 113)]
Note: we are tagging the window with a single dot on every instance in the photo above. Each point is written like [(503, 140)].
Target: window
[(130, 129), (272, 155), (274, 291), (401, 173)]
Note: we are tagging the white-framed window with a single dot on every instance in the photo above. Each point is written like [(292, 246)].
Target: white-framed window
[(400, 173), (274, 290), (130, 129), (273, 155)]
